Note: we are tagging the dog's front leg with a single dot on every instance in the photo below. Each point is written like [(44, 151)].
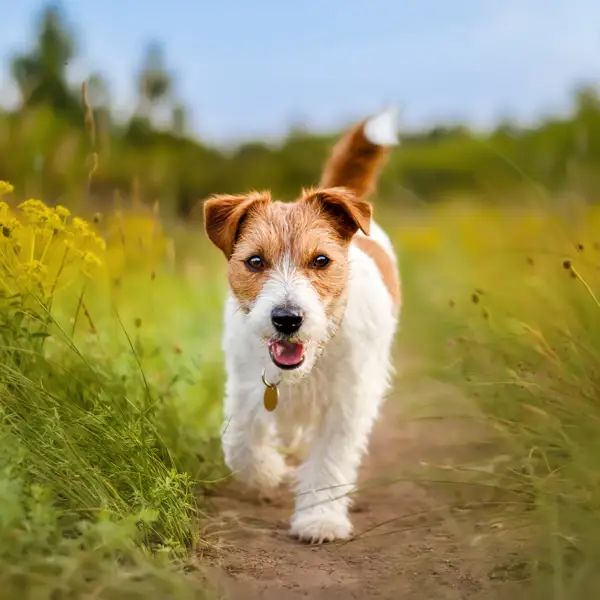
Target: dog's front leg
[(249, 441), (329, 474)]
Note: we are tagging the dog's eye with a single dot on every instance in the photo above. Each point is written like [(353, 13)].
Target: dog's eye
[(320, 262), (255, 263)]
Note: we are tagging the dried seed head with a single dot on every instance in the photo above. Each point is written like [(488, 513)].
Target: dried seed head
[(567, 264), (474, 298)]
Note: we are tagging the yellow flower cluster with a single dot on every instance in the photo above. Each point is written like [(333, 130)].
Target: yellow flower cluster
[(5, 188), (38, 244)]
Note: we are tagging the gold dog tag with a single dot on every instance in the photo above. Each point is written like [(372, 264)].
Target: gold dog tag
[(271, 397)]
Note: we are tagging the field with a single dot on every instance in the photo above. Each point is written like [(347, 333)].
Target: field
[(112, 483), (482, 480)]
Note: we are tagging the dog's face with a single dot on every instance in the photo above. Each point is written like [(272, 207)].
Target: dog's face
[(288, 265)]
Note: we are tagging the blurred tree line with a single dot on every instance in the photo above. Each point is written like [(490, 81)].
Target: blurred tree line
[(45, 141)]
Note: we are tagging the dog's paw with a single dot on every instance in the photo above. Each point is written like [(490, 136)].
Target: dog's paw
[(266, 471), (317, 528)]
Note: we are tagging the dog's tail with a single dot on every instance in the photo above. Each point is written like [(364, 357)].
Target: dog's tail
[(357, 158)]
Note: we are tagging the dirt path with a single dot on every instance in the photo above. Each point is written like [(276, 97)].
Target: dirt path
[(414, 540)]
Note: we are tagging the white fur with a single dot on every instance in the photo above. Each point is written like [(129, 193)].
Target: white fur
[(334, 405), (331, 402), (382, 128)]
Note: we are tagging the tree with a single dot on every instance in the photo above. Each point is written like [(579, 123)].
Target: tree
[(586, 100), (154, 82), (41, 73), (506, 128), (179, 120)]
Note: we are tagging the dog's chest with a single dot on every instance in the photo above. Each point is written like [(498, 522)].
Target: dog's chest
[(301, 404)]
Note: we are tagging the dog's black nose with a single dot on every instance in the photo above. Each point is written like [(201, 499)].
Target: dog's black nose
[(287, 320)]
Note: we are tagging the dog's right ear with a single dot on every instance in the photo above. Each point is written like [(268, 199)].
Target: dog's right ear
[(224, 215)]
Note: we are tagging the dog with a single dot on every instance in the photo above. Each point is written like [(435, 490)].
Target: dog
[(313, 309)]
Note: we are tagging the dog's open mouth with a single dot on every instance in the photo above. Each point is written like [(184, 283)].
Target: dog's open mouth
[(286, 354)]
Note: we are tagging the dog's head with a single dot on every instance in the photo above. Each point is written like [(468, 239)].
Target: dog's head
[(288, 264)]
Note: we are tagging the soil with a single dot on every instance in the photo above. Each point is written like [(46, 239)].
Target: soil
[(413, 539)]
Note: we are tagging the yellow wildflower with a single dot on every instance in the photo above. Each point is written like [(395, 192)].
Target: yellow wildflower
[(80, 226), (7, 222), (62, 212), (33, 206), (8, 225), (34, 266), (5, 187), (91, 259), (36, 212), (31, 273)]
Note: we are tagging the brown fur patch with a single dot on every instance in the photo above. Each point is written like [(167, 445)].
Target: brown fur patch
[(346, 212), (385, 265), (296, 232), (224, 215), (355, 163)]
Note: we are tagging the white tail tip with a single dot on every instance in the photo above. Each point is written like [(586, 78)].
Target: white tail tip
[(382, 129)]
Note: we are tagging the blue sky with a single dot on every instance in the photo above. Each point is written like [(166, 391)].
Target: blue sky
[(249, 68)]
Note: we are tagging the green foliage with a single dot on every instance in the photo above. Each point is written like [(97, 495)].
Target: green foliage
[(154, 81), (42, 152), (508, 312), (42, 144), (99, 459), (40, 74)]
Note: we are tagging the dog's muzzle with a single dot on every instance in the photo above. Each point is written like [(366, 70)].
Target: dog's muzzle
[(285, 352)]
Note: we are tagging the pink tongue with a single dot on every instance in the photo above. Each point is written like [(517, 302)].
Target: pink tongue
[(287, 353)]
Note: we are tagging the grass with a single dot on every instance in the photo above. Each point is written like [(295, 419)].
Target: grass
[(107, 429), (112, 377), (508, 311)]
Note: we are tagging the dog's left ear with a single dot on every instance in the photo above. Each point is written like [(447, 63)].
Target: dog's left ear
[(347, 212), (224, 215)]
